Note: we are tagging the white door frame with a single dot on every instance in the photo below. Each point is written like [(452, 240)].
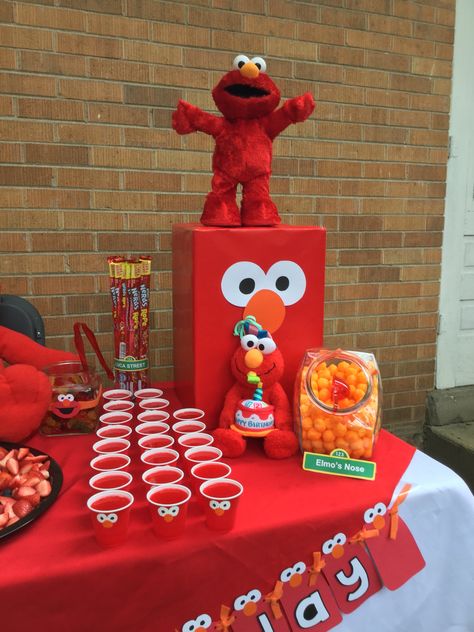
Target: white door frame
[(459, 194)]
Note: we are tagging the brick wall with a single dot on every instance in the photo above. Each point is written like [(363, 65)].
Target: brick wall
[(89, 164)]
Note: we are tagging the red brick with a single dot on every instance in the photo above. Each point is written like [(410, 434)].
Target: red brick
[(51, 109), (26, 176), (56, 154), (155, 10), (61, 242), (21, 84)]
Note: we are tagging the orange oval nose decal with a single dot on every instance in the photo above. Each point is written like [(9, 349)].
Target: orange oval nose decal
[(379, 522), (250, 609), (338, 551), (268, 309), (253, 358), (296, 580)]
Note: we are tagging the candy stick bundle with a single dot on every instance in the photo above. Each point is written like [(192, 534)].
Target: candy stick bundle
[(130, 292)]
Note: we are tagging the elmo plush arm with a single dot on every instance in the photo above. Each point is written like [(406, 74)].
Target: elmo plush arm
[(282, 442), (188, 118), (25, 392), (294, 110)]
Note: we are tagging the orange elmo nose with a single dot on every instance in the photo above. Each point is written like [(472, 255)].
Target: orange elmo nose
[(253, 358), (250, 609), (268, 309), (379, 522), (168, 518), (249, 70), (338, 551), (296, 580), (218, 511), (107, 524)]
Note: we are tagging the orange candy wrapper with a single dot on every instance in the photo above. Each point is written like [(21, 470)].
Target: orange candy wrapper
[(130, 293)]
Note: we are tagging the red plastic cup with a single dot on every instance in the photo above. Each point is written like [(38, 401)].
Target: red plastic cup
[(187, 427), (207, 471), (162, 475), (154, 403), (201, 455), (147, 416), (109, 462), (152, 427), (147, 393), (114, 431), (221, 497), (119, 405), (168, 506), (117, 417), (193, 440), (110, 513), (159, 456), (111, 446), (148, 442), (188, 414), (110, 480), (117, 393)]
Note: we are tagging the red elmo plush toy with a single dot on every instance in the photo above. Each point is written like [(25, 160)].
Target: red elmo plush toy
[(256, 405), (25, 392), (247, 98)]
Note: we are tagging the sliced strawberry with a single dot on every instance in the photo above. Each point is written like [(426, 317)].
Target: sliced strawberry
[(12, 521), (24, 469), (33, 499), (3, 520), (22, 452), (35, 459), (7, 456), (44, 488), (12, 466), (22, 508), (24, 492), (5, 480), (6, 500)]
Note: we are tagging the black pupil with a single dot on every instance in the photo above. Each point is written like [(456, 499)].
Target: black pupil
[(250, 343), (261, 347), (247, 286), (282, 283), (240, 64), (258, 65)]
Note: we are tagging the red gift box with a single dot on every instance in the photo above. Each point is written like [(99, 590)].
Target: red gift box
[(220, 275)]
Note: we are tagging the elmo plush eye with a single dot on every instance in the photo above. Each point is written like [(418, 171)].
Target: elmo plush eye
[(288, 280), (260, 63), (69, 397), (61, 398), (249, 342), (241, 281), (239, 61), (266, 345)]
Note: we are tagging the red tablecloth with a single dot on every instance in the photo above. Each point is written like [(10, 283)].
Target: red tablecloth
[(54, 575)]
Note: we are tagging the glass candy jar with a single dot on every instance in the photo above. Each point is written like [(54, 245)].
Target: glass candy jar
[(338, 402), (74, 407)]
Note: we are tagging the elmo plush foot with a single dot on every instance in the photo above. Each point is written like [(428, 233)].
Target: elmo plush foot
[(230, 442), (259, 212), (219, 211), (280, 444)]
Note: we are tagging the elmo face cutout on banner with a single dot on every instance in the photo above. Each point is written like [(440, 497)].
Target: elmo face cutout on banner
[(247, 98), (201, 623), (253, 613)]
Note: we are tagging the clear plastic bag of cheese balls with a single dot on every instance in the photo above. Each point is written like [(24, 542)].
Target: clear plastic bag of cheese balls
[(338, 402)]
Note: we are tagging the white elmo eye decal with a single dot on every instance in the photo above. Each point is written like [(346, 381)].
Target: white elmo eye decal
[(112, 518), (61, 398), (266, 345), (173, 511), (369, 516), (288, 280), (285, 575), (213, 504), (254, 595), (101, 517), (328, 546), (239, 61), (202, 621), (340, 538), (69, 397), (299, 568), (240, 282), (225, 505), (239, 603), (260, 63), (380, 509), (249, 342), (162, 511)]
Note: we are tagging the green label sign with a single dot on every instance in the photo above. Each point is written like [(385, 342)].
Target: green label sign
[(338, 463), (130, 364)]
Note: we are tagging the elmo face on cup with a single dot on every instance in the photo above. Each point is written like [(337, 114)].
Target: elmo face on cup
[(221, 498), (168, 506), (110, 514)]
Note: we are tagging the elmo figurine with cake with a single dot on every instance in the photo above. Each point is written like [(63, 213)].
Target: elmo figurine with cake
[(25, 392), (247, 98), (256, 405)]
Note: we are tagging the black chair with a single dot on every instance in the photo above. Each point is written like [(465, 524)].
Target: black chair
[(20, 315)]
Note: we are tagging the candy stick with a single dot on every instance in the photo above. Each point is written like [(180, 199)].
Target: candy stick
[(145, 274)]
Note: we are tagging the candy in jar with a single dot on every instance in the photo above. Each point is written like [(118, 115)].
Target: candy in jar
[(338, 401)]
